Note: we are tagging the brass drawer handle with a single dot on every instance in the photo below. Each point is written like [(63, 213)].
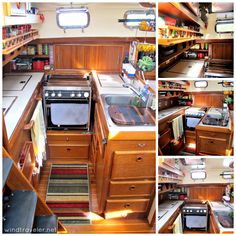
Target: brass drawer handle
[(132, 187), (127, 205), (138, 159), (141, 145), (68, 149)]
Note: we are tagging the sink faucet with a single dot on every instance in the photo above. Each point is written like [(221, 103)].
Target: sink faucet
[(130, 86)]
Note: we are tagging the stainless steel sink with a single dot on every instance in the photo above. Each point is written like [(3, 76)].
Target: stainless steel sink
[(123, 100), (120, 99), (225, 214)]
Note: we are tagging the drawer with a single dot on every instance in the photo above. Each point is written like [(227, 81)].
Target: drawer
[(133, 205), (67, 136), (135, 145), (212, 145), (212, 134), (133, 165), (63, 151), (131, 188)]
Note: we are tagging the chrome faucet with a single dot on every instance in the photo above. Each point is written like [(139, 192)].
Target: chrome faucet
[(130, 86)]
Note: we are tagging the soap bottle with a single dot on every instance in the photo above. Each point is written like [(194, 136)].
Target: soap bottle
[(144, 93)]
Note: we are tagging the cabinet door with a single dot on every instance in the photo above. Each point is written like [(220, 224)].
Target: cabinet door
[(104, 57), (221, 51), (69, 56)]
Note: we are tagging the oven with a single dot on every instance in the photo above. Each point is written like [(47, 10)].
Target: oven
[(195, 217), (67, 108), (193, 116)]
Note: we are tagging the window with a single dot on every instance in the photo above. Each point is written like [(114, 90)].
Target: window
[(73, 18), (198, 174), (227, 175), (134, 17), (224, 26), (200, 84)]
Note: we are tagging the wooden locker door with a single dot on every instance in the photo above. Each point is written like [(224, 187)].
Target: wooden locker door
[(68, 56)]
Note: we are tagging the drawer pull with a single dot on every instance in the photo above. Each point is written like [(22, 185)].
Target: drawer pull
[(139, 159), (127, 205), (132, 187), (211, 141), (68, 149), (141, 145), (67, 139)]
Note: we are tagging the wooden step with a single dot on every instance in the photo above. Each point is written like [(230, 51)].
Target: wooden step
[(19, 215), (45, 224), (6, 167)]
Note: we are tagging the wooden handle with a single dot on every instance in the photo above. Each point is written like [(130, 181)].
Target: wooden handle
[(67, 139), (139, 159), (127, 205), (141, 145), (29, 126), (132, 187)]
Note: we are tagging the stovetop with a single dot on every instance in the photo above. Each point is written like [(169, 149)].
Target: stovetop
[(67, 80), (196, 111), (195, 206)]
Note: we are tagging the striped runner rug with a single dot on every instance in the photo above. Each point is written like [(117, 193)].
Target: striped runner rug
[(68, 193)]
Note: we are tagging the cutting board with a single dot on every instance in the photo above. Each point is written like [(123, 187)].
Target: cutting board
[(131, 115)]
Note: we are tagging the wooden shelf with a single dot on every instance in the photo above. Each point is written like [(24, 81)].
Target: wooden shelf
[(166, 167), (198, 50), (173, 41), (178, 29), (21, 20), (19, 41), (34, 56), (168, 89), (166, 191), (168, 177)]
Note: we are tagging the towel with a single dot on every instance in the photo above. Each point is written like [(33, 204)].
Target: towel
[(177, 127), (178, 228), (38, 134)]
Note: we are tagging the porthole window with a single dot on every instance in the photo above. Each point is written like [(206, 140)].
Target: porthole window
[(198, 175), (200, 84), (73, 18), (134, 17), (224, 26)]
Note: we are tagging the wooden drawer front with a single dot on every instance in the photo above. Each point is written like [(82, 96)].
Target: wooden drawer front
[(131, 188), (135, 145), (67, 137), (133, 205), (212, 145), (63, 151), (212, 134), (133, 165)]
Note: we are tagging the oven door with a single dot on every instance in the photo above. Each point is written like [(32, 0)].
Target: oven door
[(191, 122), (67, 114), (191, 221)]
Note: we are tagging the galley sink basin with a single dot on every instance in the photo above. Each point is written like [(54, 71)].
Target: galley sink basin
[(127, 110), (225, 218), (123, 100)]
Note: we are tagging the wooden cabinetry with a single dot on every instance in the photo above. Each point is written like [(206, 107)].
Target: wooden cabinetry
[(212, 142), (168, 226), (68, 145), (125, 172), (213, 227), (90, 57), (221, 51)]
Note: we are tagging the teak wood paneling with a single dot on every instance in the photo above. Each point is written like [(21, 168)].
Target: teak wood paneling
[(211, 99), (221, 51), (211, 192), (89, 57)]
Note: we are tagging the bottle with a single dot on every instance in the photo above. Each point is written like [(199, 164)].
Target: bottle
[(144, 93), (125, 62)]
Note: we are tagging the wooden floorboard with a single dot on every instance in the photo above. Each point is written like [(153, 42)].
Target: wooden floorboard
[(99, 224)]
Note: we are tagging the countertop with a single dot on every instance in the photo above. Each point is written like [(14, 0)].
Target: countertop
[(184, 69), (219, 206), (167, 206), (15, 112), (170, 111), (114, 129)]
